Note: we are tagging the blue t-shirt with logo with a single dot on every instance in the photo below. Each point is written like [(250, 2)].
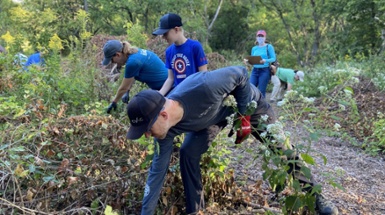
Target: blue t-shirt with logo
[(185, 60), (145, 66)]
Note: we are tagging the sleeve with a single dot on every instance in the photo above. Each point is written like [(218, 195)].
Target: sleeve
[(271, 54), (290, 78), (242, 90), (29, 61), (199, 54), (252, 51), (133, 67)]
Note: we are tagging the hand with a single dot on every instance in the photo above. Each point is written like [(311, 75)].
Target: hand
[(112, 106), (126, 97), (246, 61), (245, 129)]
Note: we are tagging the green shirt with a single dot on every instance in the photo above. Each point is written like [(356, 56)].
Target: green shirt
[(286, 75)]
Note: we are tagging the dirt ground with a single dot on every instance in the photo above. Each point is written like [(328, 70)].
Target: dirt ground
[(361, 175)]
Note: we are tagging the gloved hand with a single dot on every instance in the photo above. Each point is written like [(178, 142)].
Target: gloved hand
[(244, 129), (112, 106), (126, 97)]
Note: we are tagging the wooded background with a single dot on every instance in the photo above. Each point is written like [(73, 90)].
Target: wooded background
[(303, 32)]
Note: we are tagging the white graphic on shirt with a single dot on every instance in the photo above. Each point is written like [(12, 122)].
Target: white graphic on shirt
[(143, 52), (146, 190), (179, 62), (206, 111)]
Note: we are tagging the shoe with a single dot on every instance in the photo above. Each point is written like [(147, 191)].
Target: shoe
[(325, 207), (272, 100)]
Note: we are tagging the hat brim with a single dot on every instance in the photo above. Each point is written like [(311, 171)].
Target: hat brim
[(160, 31), (135, 132), (106, 61)]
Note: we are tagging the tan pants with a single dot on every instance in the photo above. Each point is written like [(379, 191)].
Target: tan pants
[(278, 89)]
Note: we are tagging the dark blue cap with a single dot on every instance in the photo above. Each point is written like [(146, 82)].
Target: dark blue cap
[(143, 110), (167, 22), (110, 49)]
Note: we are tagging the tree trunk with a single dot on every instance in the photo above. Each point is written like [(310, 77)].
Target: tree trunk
[(210, 26), (317, 34), (85, 5)]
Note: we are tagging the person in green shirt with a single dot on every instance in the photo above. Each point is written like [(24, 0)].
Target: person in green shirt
[(283, 79)]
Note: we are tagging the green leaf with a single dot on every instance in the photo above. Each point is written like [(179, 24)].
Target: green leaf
[(95, 204), (18, 149), (349, 89), (293, 203), (306, 171), (325, 159), (4, 146), (48, 178), (307, 158), (109, 211), (314, 136), (336, 118), (32, 168)]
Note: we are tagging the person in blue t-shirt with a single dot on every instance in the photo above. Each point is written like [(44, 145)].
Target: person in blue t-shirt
[(142, 65), (184, 56), (260, 76), (36, 58)]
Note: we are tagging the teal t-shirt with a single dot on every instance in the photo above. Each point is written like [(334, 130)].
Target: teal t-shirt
[(145, 66), (286, 75), (266, 52)]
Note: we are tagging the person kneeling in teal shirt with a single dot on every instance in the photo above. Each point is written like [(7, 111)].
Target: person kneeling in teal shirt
[(283, 80)]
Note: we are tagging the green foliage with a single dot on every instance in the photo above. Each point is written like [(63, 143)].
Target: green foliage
[(57, 112), (224, 37), (374, 70), (377, 146), (135, 35), (327, 77)]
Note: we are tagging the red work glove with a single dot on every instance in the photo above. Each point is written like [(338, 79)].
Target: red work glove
[(244, 129)]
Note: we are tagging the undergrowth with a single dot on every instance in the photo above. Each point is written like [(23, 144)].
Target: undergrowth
[(61, 153)]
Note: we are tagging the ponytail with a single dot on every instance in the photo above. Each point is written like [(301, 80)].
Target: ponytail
[(128, 49)]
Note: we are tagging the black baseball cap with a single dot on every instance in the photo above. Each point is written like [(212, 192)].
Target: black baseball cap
[(110, 49), (167, 22), (143, 110)]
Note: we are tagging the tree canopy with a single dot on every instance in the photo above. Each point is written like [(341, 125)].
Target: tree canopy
[(302, 32)]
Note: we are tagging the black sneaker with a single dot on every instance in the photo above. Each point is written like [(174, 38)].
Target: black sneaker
[(325, 207)]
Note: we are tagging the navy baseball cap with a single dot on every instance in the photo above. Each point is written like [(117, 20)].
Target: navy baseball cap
[(167, 22), (143, 110), (110, 49)]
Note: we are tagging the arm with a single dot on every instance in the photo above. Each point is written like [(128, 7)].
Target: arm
[(203, 68), (123, 88), (289, 86), (168, 83), (271, 54)]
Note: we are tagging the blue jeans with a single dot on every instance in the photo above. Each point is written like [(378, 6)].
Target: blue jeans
[(194, 145), (260, 77)]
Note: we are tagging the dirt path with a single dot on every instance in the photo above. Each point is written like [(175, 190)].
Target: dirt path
[(362, 176)]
